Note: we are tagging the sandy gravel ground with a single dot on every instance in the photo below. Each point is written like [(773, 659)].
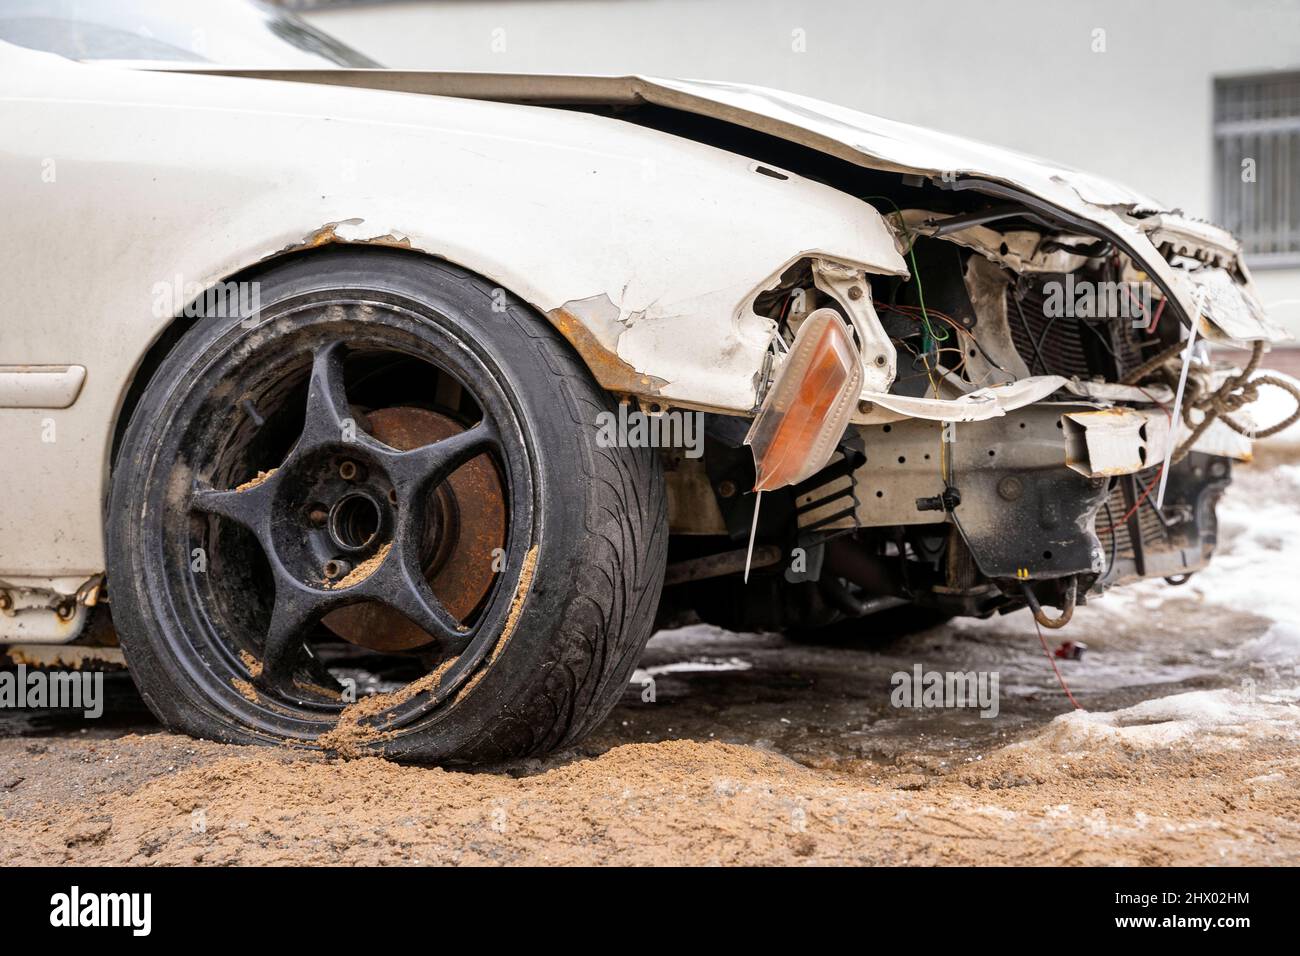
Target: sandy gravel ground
[(758, 751)]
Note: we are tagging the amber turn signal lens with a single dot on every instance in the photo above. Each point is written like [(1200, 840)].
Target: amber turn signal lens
[(809, 405)]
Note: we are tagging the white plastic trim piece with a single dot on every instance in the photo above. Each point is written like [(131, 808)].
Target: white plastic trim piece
[(40, 386)]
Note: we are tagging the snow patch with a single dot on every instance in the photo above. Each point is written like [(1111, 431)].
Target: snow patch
[(1259, 537), (1280, 644), (1211, 719), (695, 666)]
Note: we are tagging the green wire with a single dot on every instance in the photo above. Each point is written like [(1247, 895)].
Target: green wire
[(930, 337)]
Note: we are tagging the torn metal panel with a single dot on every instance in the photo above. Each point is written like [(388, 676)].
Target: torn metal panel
[(997, 361), (1114, 441), (979, 405), (1108, 392), (849, 288), (1174, 234), (349, 230), (1230, 311), (586, 325), (996, 400)]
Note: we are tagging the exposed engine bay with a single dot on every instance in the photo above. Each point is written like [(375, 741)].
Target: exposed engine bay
[(1049, 426)]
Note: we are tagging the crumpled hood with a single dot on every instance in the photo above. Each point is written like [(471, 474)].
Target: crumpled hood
[(848, 133), (908, 148), (1139, 223)]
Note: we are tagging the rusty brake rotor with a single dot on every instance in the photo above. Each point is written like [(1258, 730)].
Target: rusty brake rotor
[(467, 522)]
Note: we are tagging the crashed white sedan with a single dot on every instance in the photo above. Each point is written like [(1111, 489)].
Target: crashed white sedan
[(386, 411)]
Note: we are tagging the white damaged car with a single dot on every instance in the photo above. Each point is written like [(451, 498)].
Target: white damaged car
[(386, 411)]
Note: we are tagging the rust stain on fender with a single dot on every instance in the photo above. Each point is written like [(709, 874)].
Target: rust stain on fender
[(611, 371), (328, 234)]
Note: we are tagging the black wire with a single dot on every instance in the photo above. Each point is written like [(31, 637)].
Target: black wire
[(1043, 338), (1101, 338), (1164, 523), (1030, 335), (974, 340), (1114, 538)]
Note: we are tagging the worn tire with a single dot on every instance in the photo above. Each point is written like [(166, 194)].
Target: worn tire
[(599, 528)]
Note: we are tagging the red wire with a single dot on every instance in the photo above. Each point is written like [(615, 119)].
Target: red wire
[(1155, 320), (1052, 660), (785, 307), (1154, 401), (1146, 493)]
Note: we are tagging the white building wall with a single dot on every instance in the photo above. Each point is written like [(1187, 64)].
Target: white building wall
[(1119, 87)]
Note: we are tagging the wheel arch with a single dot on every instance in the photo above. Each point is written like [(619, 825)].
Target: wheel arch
[(175, 328)]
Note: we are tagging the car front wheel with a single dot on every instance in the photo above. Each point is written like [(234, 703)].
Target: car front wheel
[(375, 518)]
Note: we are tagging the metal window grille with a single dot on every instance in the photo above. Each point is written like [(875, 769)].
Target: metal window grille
[(1257, 130)]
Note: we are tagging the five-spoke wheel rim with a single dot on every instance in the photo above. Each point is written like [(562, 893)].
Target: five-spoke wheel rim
[(339, 519)]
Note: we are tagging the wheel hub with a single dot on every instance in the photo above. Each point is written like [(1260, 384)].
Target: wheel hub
[(354, 521), (334, 511), (465, 522)]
